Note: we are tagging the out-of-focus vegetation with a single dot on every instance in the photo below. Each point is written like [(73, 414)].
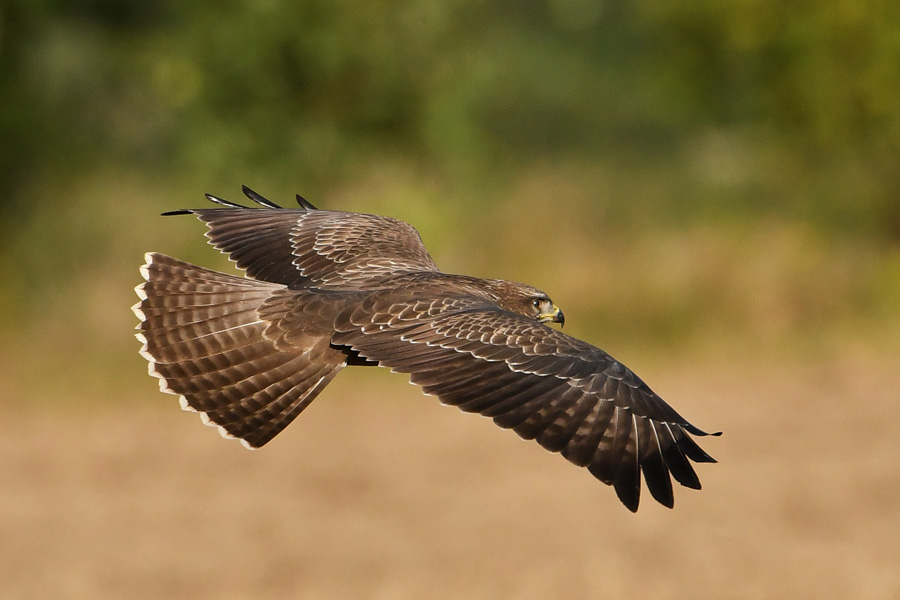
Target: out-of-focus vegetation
[(668, 171)]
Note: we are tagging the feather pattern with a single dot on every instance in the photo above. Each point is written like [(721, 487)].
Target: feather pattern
[(570, 396), (325, 289), (308, 247), (206, 342)]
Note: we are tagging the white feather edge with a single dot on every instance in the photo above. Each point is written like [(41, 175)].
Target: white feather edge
[(185, 405), (151, 361)]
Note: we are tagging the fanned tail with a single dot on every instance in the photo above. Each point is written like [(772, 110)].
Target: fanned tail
[(205, 340)]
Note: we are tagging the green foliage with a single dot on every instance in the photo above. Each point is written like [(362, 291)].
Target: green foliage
[(314, 89), (634, 122)]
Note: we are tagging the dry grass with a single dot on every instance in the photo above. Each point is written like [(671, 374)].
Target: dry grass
[(377, 492)]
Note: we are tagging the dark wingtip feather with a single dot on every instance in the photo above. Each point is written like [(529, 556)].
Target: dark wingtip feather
[(666, 500), (222, 201), (629, 493), (304, 203), (261, 200), (693, 451), (660, 486), (697, 431), (653, 464), (183, 211), (677, 463)]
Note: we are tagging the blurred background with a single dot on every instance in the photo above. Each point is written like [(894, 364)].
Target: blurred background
[(711, 192)]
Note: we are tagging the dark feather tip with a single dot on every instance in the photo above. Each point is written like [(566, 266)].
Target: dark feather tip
[(183, 211), (222, 201), (261, 200), (303, 202), (699, 432)]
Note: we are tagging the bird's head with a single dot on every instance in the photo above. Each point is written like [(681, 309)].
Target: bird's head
[(530, 302)]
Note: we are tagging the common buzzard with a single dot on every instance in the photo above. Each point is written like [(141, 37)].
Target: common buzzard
[(327, 289)]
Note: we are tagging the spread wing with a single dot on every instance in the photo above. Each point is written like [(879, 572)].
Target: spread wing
[(306, 247), (571, 397)]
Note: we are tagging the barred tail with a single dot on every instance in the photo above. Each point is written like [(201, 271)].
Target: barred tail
[(205, 340)]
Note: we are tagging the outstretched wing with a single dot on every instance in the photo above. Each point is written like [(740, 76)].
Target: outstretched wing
[(306, 247), (571, 397)]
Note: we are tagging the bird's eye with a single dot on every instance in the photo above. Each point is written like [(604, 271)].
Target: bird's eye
[(537, 303)]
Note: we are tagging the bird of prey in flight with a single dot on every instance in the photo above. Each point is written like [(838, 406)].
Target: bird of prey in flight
[(327, 289)]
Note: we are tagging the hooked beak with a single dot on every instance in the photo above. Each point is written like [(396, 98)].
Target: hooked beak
[(554, 315)]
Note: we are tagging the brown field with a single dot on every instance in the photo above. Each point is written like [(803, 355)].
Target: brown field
[(378, 492)]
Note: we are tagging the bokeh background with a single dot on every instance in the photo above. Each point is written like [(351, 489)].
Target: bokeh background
[(710, 190)]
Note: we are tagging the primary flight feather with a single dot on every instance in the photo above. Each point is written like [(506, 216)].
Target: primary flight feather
[(327, 289)]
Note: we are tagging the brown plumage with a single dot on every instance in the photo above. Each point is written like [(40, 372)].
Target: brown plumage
[(328, 289)]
